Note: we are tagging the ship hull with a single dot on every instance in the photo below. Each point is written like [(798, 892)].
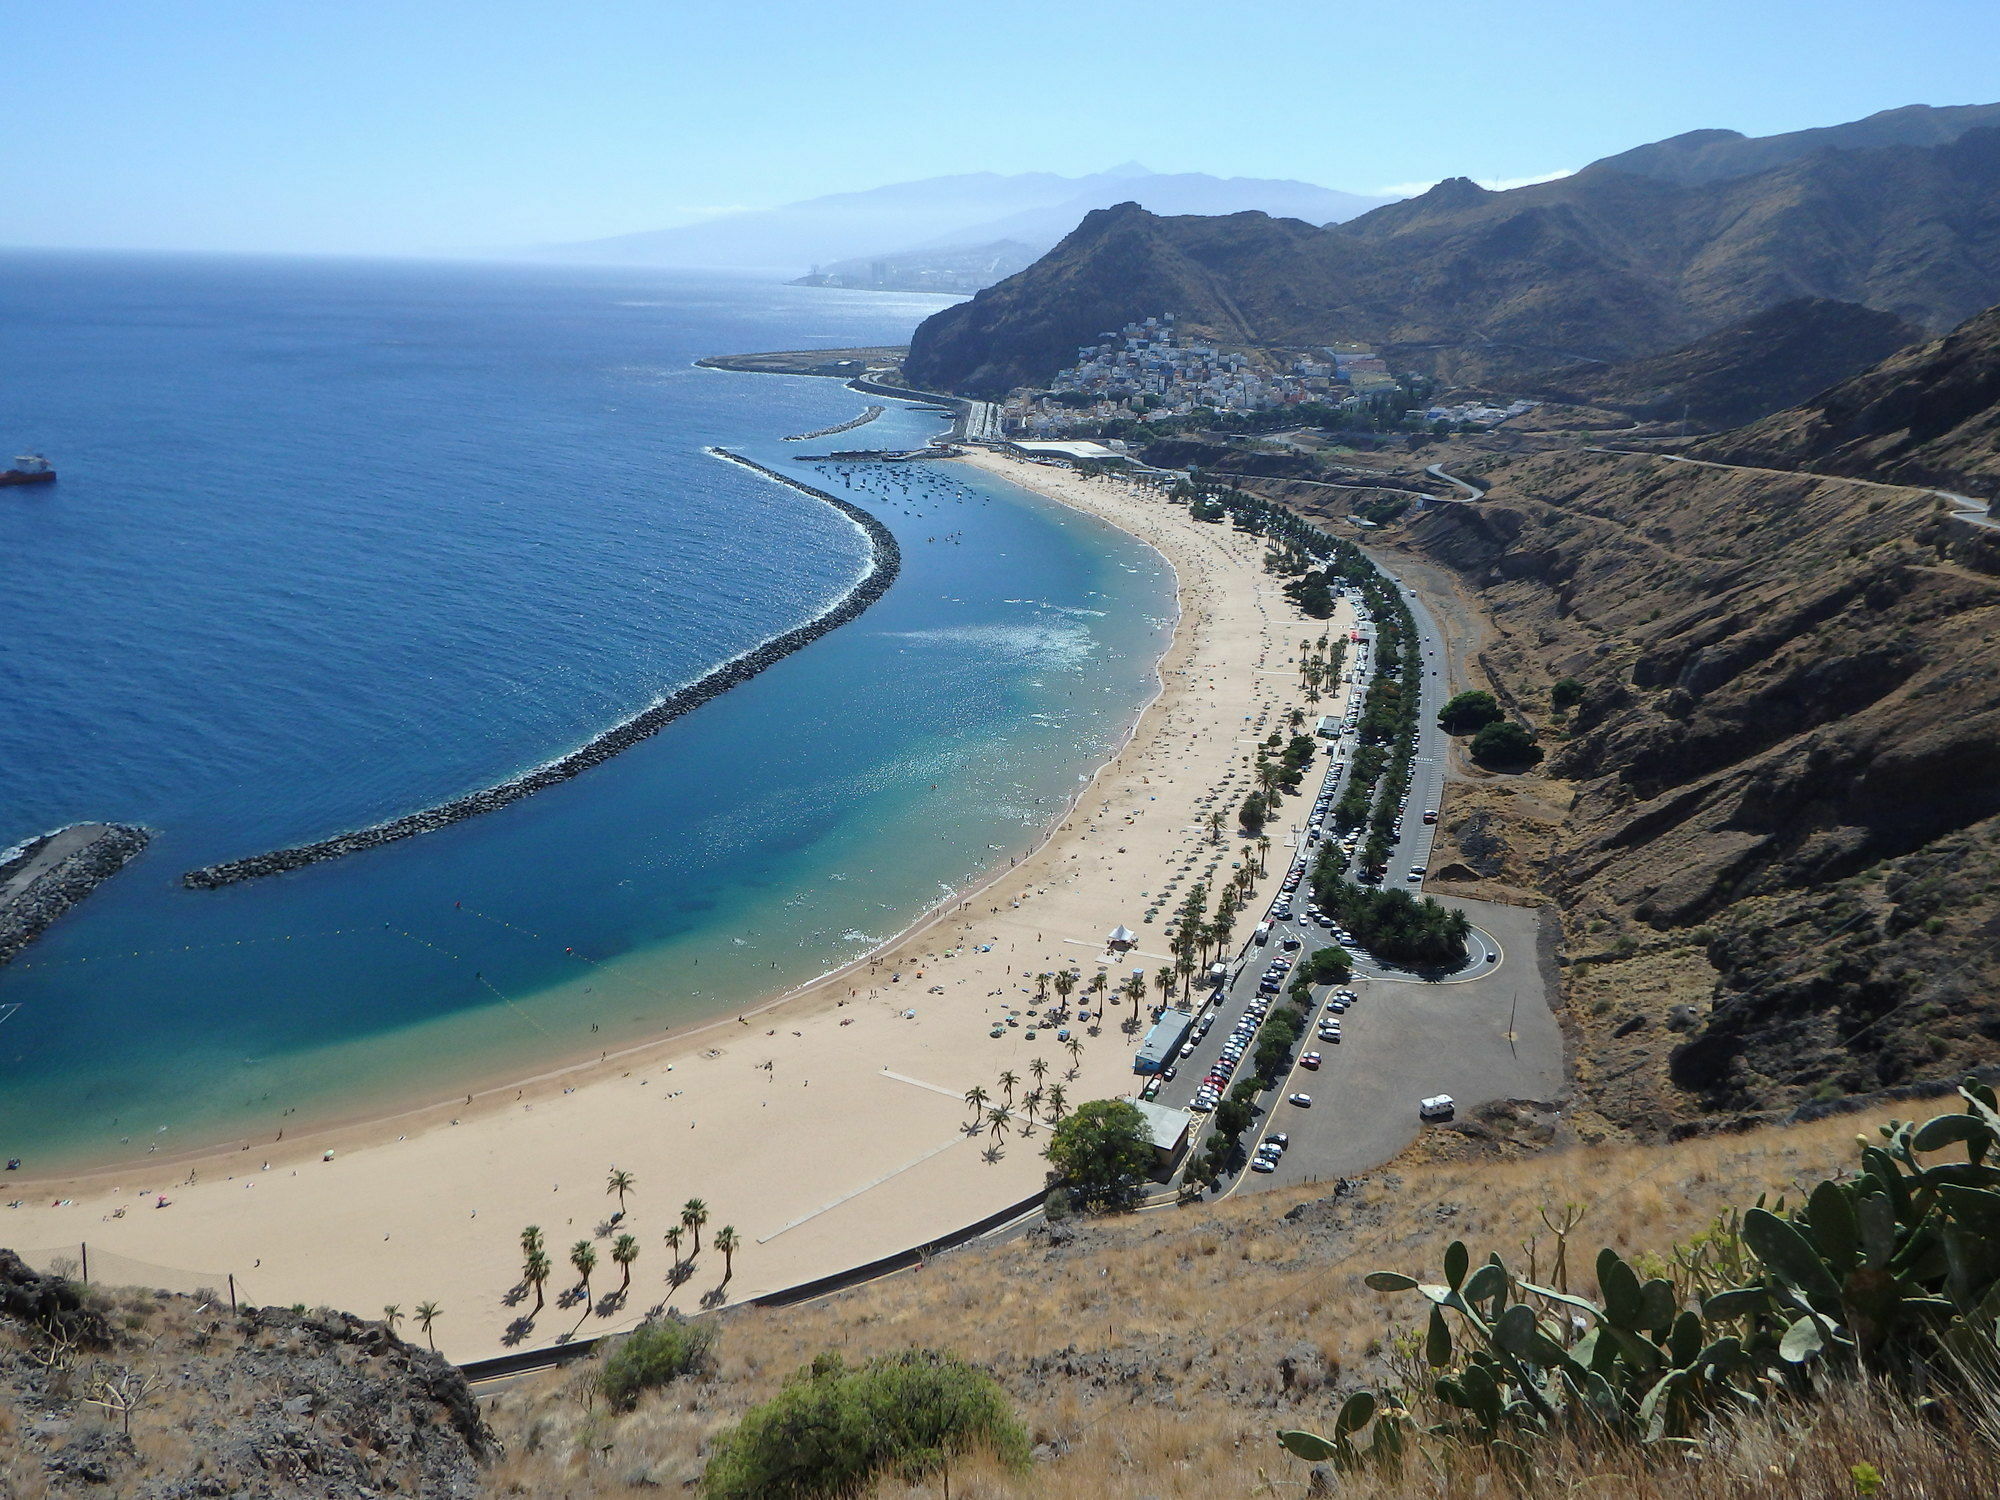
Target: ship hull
[(15, 476)]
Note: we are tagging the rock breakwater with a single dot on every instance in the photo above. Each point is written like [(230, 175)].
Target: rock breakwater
[(47, 875), (885, 562), (848, 426)]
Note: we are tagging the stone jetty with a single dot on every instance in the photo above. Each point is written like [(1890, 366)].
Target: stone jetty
[(47, 875), (885, 562)]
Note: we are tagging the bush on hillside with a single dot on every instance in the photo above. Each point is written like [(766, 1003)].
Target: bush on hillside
[(835, 1431), (1505, 744), (653, 1354), (1469, 711)]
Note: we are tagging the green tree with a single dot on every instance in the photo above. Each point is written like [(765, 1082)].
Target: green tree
[(625, 1250), (727, 1242), (1009, 1081), (583, 1255), (620, 1183), (1566, 694), (391, 1316), (1504, 744), (976, 1098), (427, 1315), (694, 1214), (1057, 1103), (1253, 813), (1469, 712), (673, 1237), (536, 1271), (835, 1431), (1066, 984), (1102, 1152), (1038, 1070)]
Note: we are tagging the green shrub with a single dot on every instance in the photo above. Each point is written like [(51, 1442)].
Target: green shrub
[(1504, 744), (1469, 711), (835, 1431), (653, 1354), (1566, 694), (1102, 1152)]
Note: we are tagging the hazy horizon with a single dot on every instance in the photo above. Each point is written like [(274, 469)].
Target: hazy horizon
[(464, 129)]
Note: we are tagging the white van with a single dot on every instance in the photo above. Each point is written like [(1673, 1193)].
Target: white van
[(1263, 934), (1437, 1107)]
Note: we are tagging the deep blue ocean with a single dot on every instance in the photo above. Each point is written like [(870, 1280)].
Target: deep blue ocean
[(336, 540)]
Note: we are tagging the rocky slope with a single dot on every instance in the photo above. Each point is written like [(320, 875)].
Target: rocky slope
[(1931, 415), (1780, 872), (1474, 285), (1762, 364), (271, 1403), (1712, 155)]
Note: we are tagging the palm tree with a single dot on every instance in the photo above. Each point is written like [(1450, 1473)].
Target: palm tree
[(537, 1272), (531, 1240), (976, 1099), (673, 1237), (620, 1183), (427, 1314), (1038, 1070), (583, 1255), (1099, 983), (726, 1242), (1008, 1081), (625, 1250), (391, 1316), (1135, 991), (694, 1214), (996, 1121), (1066, 985), (1166, 979), (1031, 1101), (1056, 1102), (1042, 986), (1075, 1049), (1184, 967)]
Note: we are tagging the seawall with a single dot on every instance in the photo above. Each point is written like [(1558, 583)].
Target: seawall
[(885, 562), (49, 874)]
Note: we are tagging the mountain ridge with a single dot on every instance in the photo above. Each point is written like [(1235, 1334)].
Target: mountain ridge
[(1473, 285)]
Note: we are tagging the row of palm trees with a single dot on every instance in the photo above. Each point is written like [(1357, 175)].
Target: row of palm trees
[(1049, 1101), (426, 1314), (537, 1265)]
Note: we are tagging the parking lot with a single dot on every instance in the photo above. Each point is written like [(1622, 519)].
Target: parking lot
[(1483, 1034)]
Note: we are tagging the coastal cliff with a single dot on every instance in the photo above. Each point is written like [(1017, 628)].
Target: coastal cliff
[(885, 562)]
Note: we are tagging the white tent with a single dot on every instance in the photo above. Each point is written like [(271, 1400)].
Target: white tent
[(1122, 937)]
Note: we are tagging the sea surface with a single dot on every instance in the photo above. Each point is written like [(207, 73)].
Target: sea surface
[(337, 540)]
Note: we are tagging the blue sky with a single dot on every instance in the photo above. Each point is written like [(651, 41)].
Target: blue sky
[(426, 126)]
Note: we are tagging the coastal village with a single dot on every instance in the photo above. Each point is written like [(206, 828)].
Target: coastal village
[(1148, 369)]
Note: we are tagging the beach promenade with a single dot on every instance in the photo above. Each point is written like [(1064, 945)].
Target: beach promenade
[(828, 1129)]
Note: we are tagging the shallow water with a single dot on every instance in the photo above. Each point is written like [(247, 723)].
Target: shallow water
[(337, 540)]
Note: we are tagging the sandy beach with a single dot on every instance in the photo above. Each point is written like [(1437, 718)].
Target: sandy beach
[(827, 1129)]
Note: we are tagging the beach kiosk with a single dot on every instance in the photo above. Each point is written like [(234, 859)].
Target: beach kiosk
[(1168, 1129), (1121, 940), (1163, 1042)]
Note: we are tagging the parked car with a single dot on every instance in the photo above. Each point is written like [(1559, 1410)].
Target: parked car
[(1303, 1101), (1311, 1060), (1263, 1164)]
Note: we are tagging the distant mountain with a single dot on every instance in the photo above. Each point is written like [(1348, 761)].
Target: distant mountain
[(1713, 155), (1475, 285), (1769, 360), (1929, 415), (939, 219)]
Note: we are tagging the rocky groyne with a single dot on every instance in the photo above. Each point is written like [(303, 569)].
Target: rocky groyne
[(848, 426), (885, 561), (47, 875)]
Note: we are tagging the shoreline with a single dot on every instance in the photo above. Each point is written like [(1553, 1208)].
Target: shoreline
[(830, 1132), (885, 563)]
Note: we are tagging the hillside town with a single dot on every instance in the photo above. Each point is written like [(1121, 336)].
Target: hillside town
[(1148, 369)]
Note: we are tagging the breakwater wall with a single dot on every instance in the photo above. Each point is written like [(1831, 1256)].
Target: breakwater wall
[(848, 426), (46, 876), (885, 562)]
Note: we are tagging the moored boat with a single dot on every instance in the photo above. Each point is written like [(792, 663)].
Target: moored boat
[(29, 468)]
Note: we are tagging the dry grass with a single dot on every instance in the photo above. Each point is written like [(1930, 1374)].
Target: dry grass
[(1156, 1355)]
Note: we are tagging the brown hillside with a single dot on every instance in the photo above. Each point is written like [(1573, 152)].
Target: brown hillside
[(1764, 363), (1604, 265), (1778, 873), (1931, 415), (1157, 1355)]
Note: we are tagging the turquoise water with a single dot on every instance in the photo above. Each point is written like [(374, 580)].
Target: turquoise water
[(334, 541)]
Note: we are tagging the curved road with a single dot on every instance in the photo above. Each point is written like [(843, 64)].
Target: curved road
[(1973, 512)]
